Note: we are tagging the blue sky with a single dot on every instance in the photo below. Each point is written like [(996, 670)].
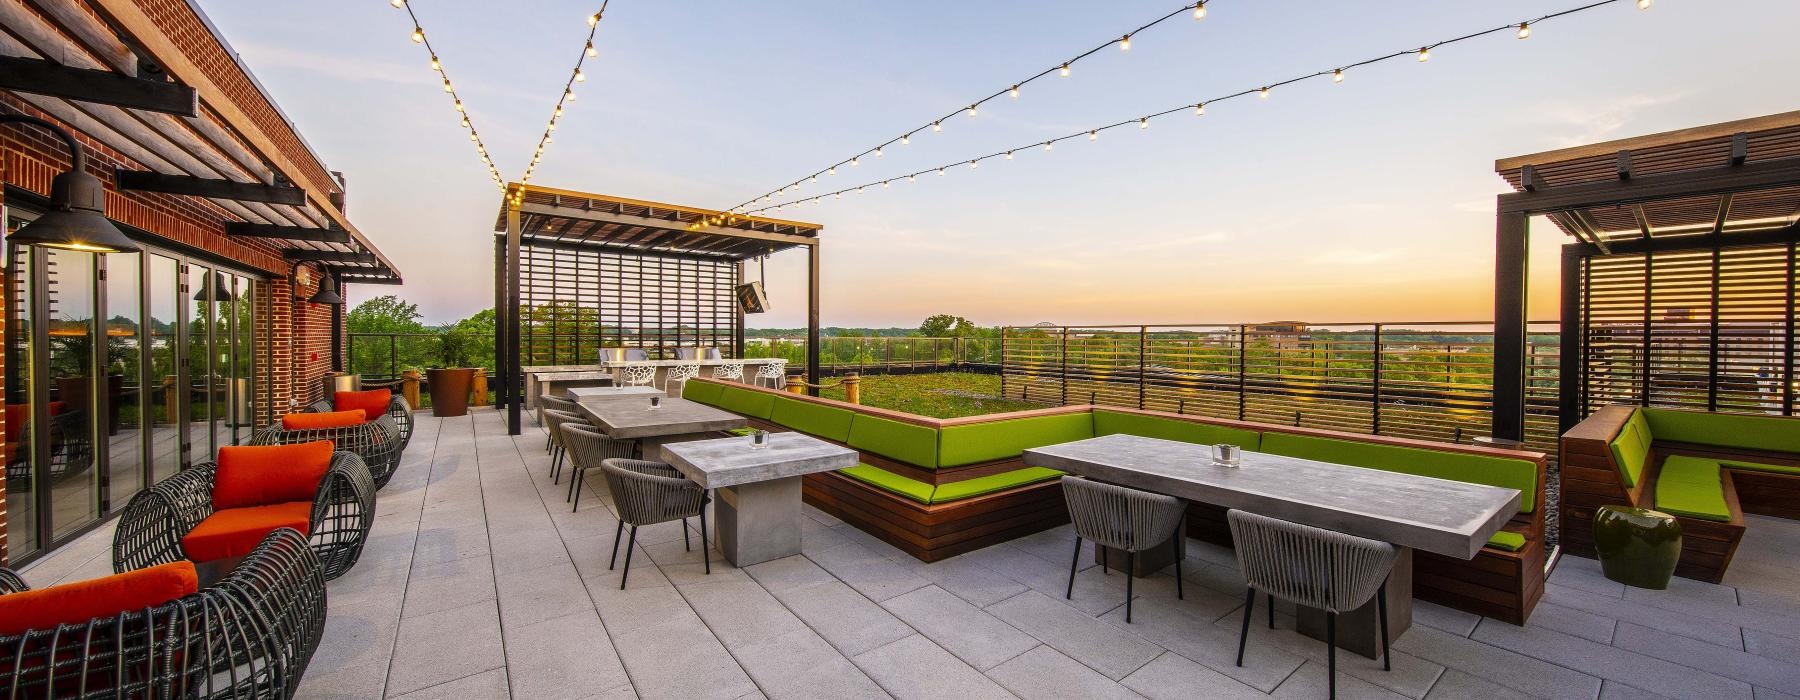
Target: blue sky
[(1365, 201)]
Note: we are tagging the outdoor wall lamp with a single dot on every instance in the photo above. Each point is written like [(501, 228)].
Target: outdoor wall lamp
[(77, 216), (327, 292)]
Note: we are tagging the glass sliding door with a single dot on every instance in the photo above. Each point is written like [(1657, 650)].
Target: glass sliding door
[(21, 477), (166, 402), (202, 382), (241, 312), (123, 433), (73, 386)]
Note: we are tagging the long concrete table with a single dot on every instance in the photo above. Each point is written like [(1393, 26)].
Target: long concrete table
[(1452, 518), (676, 420), (757, 514), (604, 393)]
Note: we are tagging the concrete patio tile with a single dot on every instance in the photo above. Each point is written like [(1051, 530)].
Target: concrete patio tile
[(1160, 621), (913, 668), (445, 585), (1706, 600), (1584, 574), (354, 664), (1609, 662), (1752, 668), (820, 516), (845, 618), (1095, 592), (444, 646), (979, 639), (1175, 678), (1614, 690), (1046, 673), (798, 664), (963, 577), (531, 596), (740, 612), (789, 572), (1055, 545), (1107, 649), (487, 685), (1771, 694), (868, 572), (1311, 681), (1773, 646), (557, 657), (679, 658), (1449, 620), (824, 538), (1411, 676), (1570, 621), (685, 566), (646, 602), (1698, 627), (1517, 671), (1223, 579), (1456, 685)]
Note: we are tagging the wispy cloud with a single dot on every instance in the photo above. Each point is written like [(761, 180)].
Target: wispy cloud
[(1583, 123), (1355, 257)]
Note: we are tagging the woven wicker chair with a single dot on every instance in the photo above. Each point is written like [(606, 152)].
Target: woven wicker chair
[(150, 529), (554, 420), (1122, 518), (377, 442), (588, 447), (250, 635), (397, 407), (548, 402), (647, 493), (1313, 567)]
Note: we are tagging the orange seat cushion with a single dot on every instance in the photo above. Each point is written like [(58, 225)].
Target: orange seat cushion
[(233, 532), (81, 601), (264, 475), (328, 419), (373, 402)]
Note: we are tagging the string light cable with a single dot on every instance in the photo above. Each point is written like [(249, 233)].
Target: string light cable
[(972, 109), (568, 92), (1522, 30), (437, 66)]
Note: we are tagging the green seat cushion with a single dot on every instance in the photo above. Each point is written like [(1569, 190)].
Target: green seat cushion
[(1737, 431), (1475, 469), (742, 432), (958, 490), (702, 392), (818, 420), (890, 482), (1632, 447), (1114, 422), (755, 404), (975, 443), (1690, 486), (904, 442), (1509, 541), (1756, 467)]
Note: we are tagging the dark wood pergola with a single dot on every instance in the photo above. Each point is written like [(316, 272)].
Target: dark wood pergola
[(544, 218), (1684, 255)]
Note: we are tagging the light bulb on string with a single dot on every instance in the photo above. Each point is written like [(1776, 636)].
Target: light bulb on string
[(558, 110), (590, 50), (831, 170), (878, 152), (1049, 145), (972, 111), (1014, 92), (580, 76), (1200, 109), (435, 65), (1199, 10), (1643, 4), (1125, 43), (1524, 30), (1093, 134), (593, 19), (1143, 122), (1263, 93), (855, 161), (397, 3), (940, 172), (911, 178), (973, 164), (418, 35), (1424, 54), (460, 107), (569, 95), (815, 179), (1009, 155), (937, 126), (1337, 76), (905, 140), (1065, 70), (447, 87)]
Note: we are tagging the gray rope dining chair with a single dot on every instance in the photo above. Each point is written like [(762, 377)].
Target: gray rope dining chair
[(1314, 567), (1123, 518), (588, 447), (647, 493), (554, 420), (556, 403)]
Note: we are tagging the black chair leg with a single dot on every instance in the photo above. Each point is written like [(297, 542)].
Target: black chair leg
[(1130, 577), (556, 456), (574, 475), (618, 532), (1331, 654), (1105, 559), (1271, 611), (685, 547), (578, 479), (1244, 634), (630, 545), (1073, 564), (1387, 660), (1180, 532)]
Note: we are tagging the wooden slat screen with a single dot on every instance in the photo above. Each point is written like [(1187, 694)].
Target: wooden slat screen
[(573, 302)]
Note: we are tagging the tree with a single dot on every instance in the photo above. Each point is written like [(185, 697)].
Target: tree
[(385, 314), (947, 326)]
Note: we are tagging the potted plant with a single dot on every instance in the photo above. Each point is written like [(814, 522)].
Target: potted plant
[(449, 383)]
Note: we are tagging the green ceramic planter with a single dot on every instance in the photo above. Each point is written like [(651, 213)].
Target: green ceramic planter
[(1638, 547)]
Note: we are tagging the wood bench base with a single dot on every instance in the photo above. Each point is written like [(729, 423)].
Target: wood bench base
[(934, 532)]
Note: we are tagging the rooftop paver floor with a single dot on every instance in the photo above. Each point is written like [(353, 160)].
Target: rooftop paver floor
[(478, 582)]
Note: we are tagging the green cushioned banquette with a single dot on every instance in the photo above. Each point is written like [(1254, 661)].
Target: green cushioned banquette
[(1114, 422), (974, 443), (950, 492), (1509, 541), (818, 420), (1690, 486), (702, 392), (747, 402), (1475, 469), (1631, 448), (1735, 431), (902, 442)]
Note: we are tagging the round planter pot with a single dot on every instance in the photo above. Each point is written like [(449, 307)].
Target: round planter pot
[(450, 390), (1638, 547)]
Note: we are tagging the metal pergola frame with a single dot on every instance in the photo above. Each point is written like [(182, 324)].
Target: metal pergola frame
[(1713, 187), (538, 216)]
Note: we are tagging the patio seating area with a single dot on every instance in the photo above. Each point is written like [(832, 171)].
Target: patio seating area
[(477, 582)]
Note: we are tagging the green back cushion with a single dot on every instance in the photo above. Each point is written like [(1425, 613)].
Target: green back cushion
[(1690, 486), (1475, 469), (1631, 448), (702, 392), (958, 490), (1112, 422), (755, 404), (890, 482), (1005, 439), (1738, 431), (904, 442), (1509, 541), (818, 420)]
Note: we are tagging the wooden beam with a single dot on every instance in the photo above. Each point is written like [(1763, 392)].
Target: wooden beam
[(659, 223), (287, 233), (1643, 220), (1624, 165), (145, 181), (358, 279), (1663, 244), (330, 256), (1753, 176), (1740, 149), (97, 86)]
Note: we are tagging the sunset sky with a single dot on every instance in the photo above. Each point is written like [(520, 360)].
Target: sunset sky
[(1370, 200)]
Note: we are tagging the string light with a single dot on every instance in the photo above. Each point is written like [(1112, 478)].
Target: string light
[(437, 66), (904, 140), (1524, 30), (1337, 76), (578, 75), (1643, 4), (418, 35), (1012, 90), (1424, 54), (397, 3), (1199, 108)]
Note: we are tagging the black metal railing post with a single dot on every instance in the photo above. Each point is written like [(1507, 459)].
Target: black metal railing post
[(393, 355), (1242, 366), (1375, 388), (1143, 370)]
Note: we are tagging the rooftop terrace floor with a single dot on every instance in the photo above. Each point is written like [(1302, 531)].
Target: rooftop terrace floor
[(479, 583)]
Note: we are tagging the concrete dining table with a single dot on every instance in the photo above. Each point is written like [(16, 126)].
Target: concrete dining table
[(673, 420), (605, 393), (757, 512), (1451, 518)]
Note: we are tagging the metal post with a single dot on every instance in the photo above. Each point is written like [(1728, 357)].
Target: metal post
[(1003, 330), (1712, 345), (1063, 353), (1512, 243), (1243, 352), (1571, 376), (393, 355), (1375, 388), (1791, 384), (337, 334), (812, 317), (510, 369), (501, 332)]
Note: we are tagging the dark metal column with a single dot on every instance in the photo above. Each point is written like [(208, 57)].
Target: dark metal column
[(1570, 375), (812, 318), (337, 330), (510, 301), (1512, 243), (502, 388), (738, 332)]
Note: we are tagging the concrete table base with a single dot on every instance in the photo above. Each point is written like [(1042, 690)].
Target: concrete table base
[(1359, 630), (759, 521), (1149, 561)]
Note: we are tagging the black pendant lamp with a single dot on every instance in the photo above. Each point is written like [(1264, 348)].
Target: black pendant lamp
[(327, 293), (221, 293), (77, 216)]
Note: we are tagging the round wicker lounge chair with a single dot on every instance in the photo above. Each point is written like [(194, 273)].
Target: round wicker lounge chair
[(397, 408), (377, 442)]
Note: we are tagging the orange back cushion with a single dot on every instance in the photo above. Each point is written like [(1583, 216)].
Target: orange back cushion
[(373, 402), (79, 602), (328, 419), (269, 474)]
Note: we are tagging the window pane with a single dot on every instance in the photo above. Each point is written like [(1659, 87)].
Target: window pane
[(74, 484), (124, 379)]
